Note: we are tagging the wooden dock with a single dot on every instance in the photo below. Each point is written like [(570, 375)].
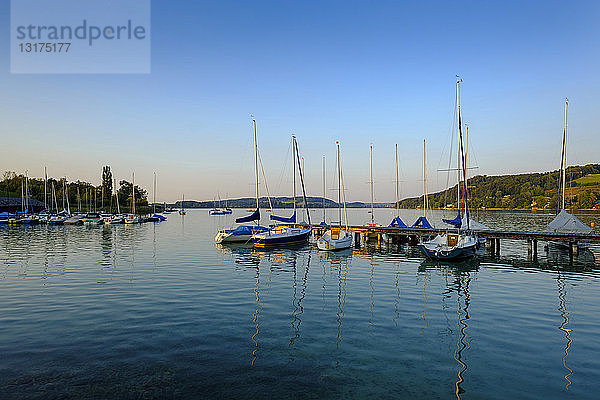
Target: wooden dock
[(395, 235)]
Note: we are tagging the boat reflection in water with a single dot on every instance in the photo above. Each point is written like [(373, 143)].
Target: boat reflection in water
[(563, 327), (462, 278)]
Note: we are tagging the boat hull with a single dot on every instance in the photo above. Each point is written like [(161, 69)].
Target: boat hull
[(329, 242), (242, 234), (284, 238), (449, 247), (451, 254)]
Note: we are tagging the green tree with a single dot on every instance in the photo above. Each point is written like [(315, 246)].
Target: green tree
[(107, 182)]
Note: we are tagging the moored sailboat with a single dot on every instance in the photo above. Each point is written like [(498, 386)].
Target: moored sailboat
[(453, 246), (565, 222), (132, 218), (244, 233), (337, 238), (182, 209), (287, 235)]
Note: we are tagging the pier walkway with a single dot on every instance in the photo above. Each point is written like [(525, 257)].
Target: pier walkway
[(385, 234)]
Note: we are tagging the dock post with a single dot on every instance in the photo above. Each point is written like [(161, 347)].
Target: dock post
[(535, 249), (529, 248), (379, 240), (357, 240), (498, 246)]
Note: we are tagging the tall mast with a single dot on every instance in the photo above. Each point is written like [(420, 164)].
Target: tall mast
[(78, 199), (67, 197), (256, 163), (425, 202), (397, 185), (28, 198), (564, 158), (371, 157), (26, 192), (133, 191), (63, 193), (45, 189), (294, 168), (22, 196), (117, 196), (343, 191), (339, 170), (323, 188), (458, 155), (154, 196)]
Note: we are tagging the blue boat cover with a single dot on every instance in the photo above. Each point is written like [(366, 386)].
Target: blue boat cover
[(248, 230), (456, 222), (323, 223), (284, 219), (397, 223), (160, 217), (422, 223), (255, 216)]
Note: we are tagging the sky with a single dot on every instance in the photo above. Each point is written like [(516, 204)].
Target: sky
[(361, 72)]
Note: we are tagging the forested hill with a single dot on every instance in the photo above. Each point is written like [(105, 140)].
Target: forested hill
[(276, 202), (524, 191)]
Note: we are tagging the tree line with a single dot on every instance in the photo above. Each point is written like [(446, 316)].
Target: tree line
[(79, 195), (523, 191)]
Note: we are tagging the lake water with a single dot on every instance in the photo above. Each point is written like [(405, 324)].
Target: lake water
[(160, 311)]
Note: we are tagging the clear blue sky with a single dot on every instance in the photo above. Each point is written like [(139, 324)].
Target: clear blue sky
[(380, 72)]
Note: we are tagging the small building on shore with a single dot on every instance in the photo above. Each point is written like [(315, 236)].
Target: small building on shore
[(14, 204)]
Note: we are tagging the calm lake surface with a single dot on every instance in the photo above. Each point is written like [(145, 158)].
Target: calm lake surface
[(160, 311)]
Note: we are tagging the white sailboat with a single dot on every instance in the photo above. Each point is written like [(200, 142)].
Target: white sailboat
[(182, 209), (454, 246), (243, 233), (287, 235), (132, 218), (372, 211), (565, 222), (337, 238), (397, 222), (115, 218)]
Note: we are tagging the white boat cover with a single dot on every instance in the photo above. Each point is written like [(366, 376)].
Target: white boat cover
[(475, 226), (568, 223)]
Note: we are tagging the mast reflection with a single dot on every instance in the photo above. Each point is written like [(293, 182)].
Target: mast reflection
[(372, 289), (462, 344), (462, 280), (563, 327), (256, 317), (339, 261), (298, 308)]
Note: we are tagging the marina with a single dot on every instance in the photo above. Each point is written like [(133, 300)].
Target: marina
[(300, 200), (89, 311)]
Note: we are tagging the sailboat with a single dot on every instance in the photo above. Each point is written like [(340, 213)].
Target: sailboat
[(155, 217), (565, 222), (372, 211), (243, 233), (458, 221), (218, 210), (323, 204), (337, 238), (287, 235), (115, 218), (182, 210), (422, 221), (397, 222), (132, 218), (453, 246)]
